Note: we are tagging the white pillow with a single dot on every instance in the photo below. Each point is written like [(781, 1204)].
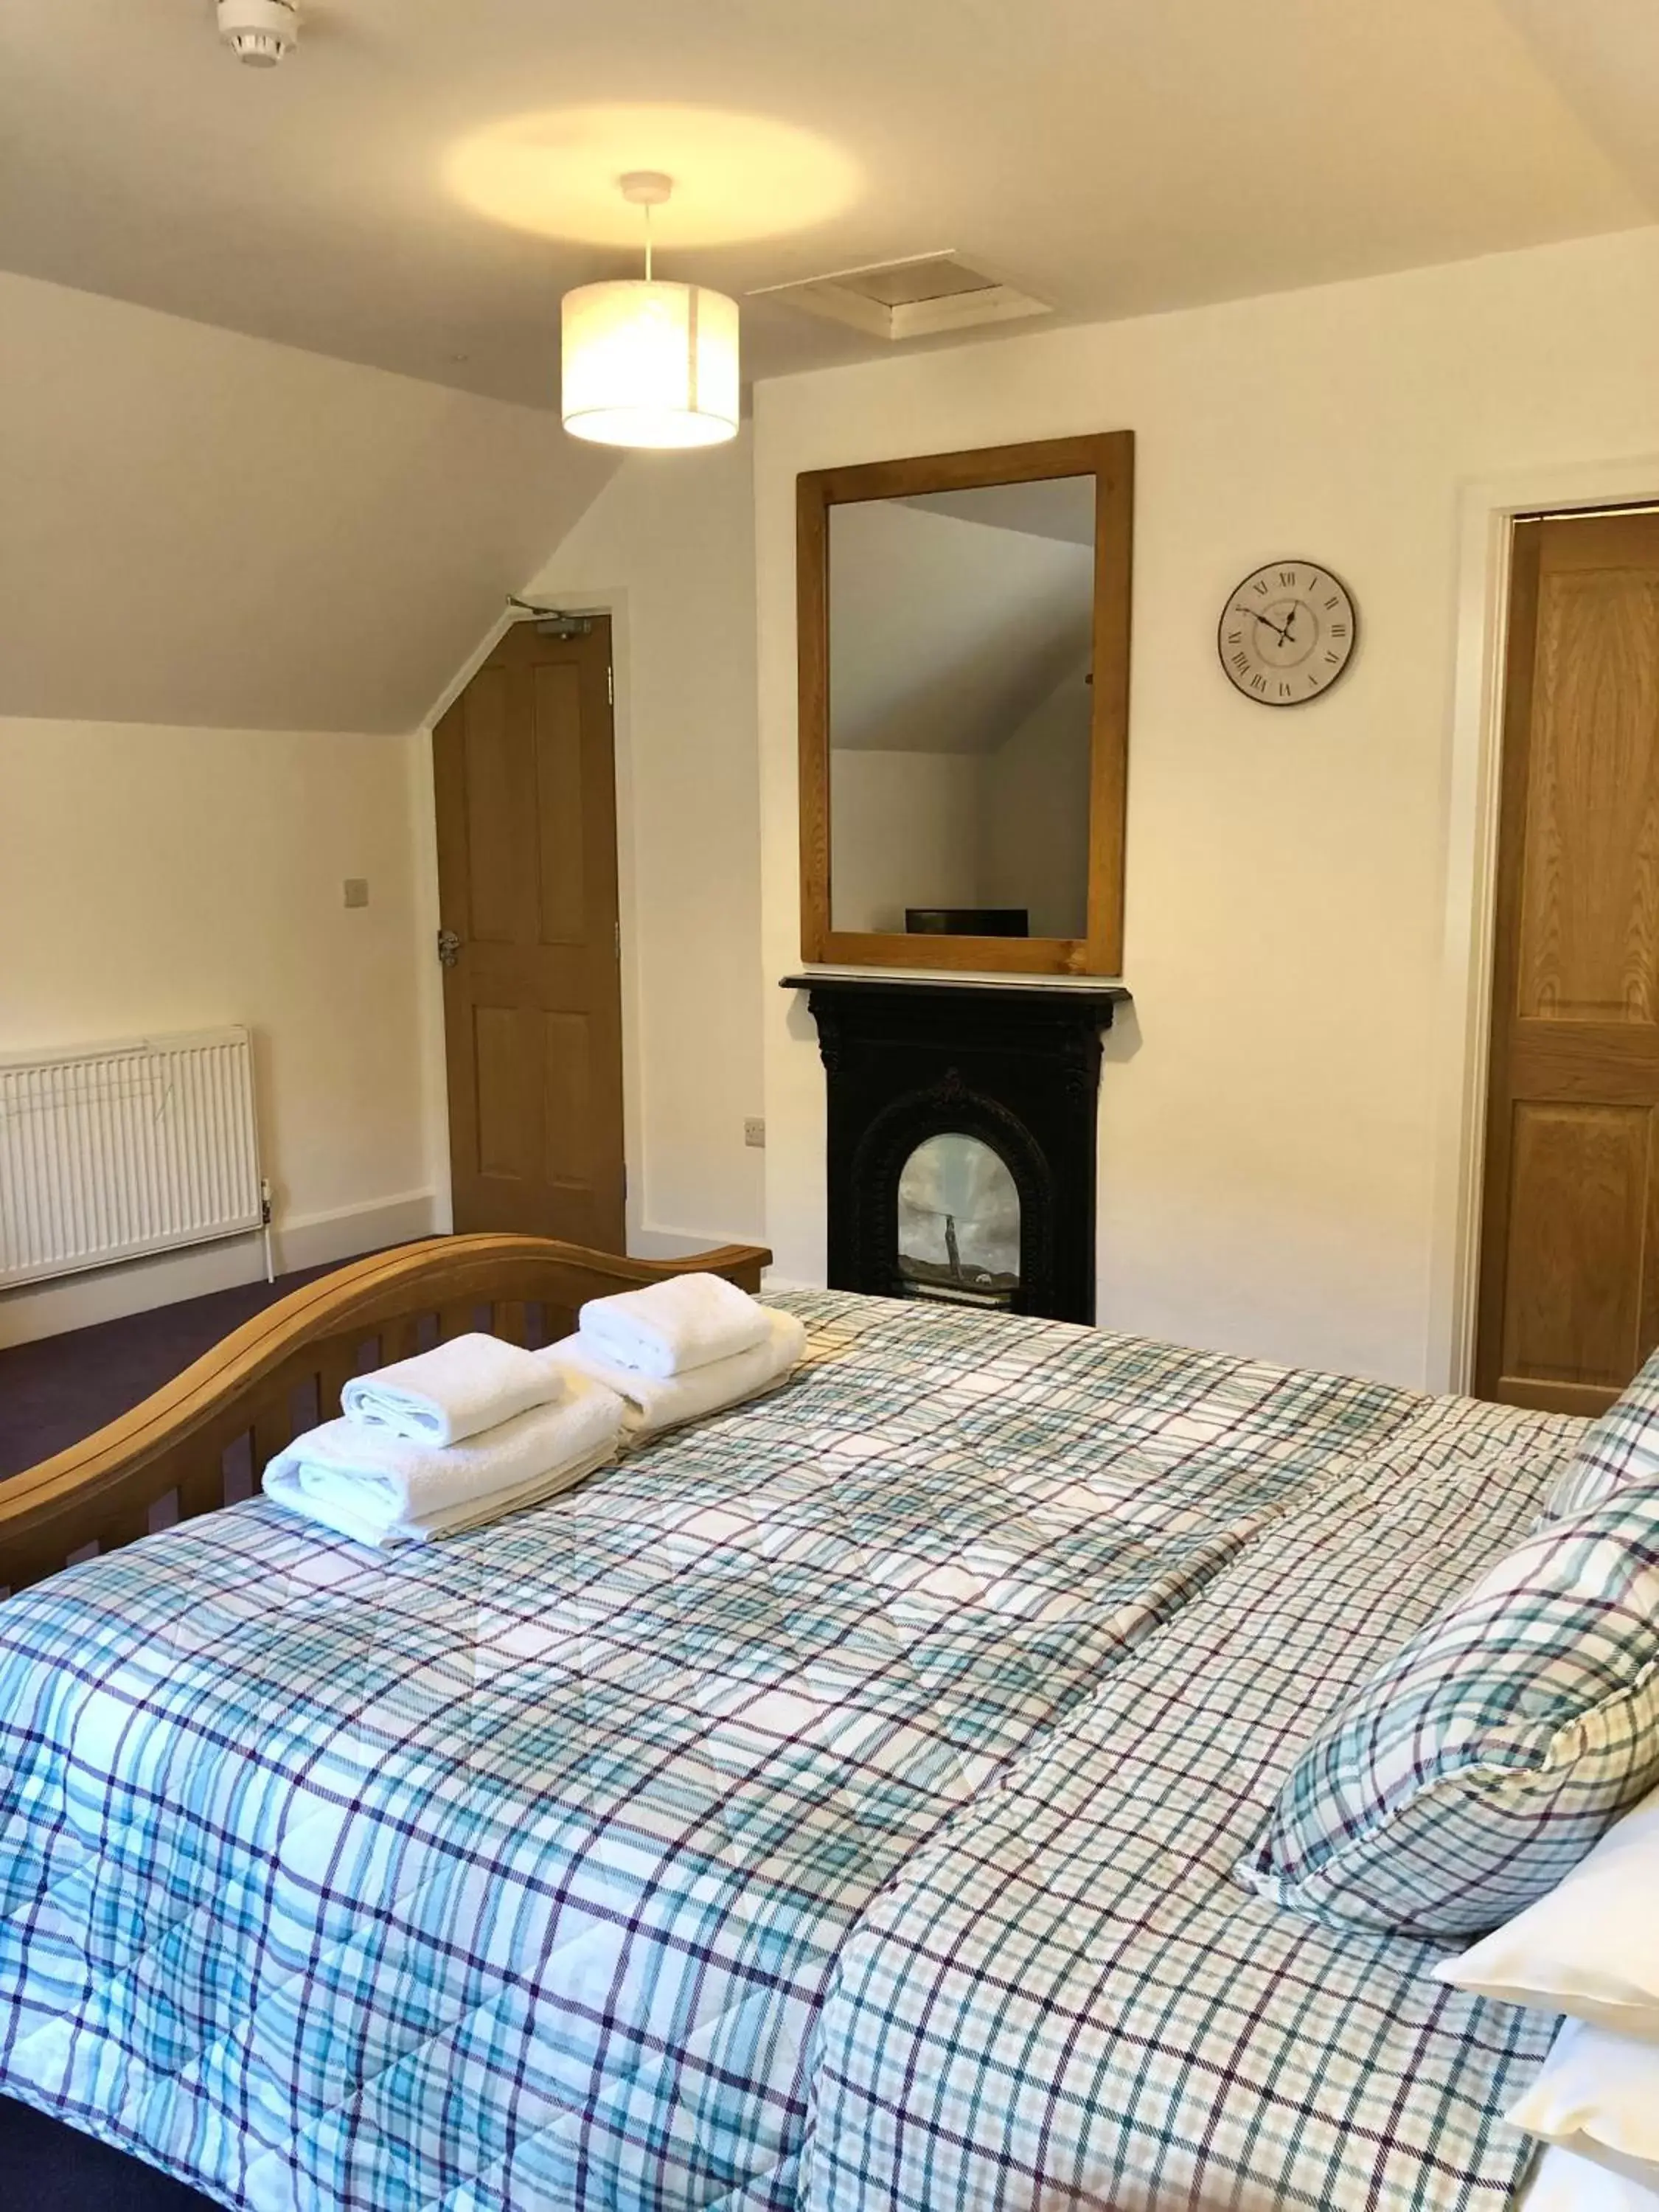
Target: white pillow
[(1562, 2183), (1590, 1947), (1598, 2096)]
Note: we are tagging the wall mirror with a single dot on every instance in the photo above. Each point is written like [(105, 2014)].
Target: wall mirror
[(964, 670)]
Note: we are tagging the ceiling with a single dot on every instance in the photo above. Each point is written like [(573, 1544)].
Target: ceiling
[(1053, 507), (200, 528), (1116, 157)]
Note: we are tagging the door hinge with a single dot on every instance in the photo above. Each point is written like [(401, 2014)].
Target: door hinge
[(624, 1182), (618, 945), (609, 685), (449, 947)]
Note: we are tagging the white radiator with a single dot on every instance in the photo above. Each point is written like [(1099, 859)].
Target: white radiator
[(117, 1149)]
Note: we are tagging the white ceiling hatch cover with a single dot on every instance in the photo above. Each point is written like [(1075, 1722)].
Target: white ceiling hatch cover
[(919, 297)]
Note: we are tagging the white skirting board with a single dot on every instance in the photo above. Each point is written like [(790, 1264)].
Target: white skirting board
[(311, 1241)]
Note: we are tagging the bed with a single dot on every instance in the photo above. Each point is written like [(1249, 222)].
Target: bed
[(830, 1806)]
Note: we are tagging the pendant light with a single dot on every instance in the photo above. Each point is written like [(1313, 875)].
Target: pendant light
[(650, 363)]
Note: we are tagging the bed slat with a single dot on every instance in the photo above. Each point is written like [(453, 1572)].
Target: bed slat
[(509, 1319)]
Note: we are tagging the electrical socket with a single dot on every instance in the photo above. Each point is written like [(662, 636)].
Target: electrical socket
[(356, 890), (754, 1132)]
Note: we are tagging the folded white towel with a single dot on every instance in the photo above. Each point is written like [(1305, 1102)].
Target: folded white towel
[(655, 1403), (383, 1490), (450, 1393), (691, 1320)]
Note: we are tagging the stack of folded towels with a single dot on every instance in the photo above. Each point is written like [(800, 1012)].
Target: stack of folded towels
[(449, 1440), (476, 1428), (682, 1349)]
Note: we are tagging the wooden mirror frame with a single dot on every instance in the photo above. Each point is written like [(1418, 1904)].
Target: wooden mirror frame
[(1109, 458)]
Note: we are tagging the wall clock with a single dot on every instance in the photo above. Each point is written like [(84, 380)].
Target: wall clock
[(1287, 633)]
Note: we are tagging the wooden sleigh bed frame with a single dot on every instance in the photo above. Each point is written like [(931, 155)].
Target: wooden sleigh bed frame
[(203, 1440)]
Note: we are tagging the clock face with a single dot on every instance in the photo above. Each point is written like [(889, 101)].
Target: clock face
[(1287, 633)]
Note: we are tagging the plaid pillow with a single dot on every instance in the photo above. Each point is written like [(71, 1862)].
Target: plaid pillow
[(1621, 1446), (1479, 1767)]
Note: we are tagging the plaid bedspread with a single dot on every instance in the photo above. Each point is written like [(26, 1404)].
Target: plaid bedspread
[(511, 1872), (1066, 2000)]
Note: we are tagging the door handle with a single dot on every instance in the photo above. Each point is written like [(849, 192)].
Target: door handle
[(449, 947)]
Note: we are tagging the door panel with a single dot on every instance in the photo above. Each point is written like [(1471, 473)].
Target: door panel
[(563, 826), (1569, 1298), (501, 1116), (1590, 921), (528, 880), (567, 1053), (1578, 1184), (493, 804)]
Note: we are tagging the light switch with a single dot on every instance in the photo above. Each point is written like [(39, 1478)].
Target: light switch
[(356, 890), (754, 1132)]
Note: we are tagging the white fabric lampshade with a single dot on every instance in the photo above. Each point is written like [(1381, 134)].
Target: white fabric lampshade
[(650, 364)]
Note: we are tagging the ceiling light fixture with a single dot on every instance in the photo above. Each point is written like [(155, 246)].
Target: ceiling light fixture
[(650, 364)]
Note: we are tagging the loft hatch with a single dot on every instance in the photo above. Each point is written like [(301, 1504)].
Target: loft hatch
[(914, 298)]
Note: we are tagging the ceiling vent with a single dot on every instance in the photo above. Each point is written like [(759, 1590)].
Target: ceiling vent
[(914, 298)]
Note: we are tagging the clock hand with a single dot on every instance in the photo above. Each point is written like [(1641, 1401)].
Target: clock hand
[(1255, 617)]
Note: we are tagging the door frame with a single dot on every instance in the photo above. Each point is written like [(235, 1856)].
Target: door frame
[(435, 1099), (1462, 1050)]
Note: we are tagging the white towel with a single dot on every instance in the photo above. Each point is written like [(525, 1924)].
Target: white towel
[(448, 1393), (655, 1403), (691, 1320), (383, 1490)]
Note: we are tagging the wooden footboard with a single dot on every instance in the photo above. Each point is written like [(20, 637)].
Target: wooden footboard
[(203, 1441)]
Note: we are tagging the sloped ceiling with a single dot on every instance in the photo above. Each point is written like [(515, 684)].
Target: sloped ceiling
[(945, 634), (1114, 156), (1602, 56), (198, 527), (1054, 506)]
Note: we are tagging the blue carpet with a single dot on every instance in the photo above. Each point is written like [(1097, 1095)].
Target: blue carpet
[(54, 1391), (44, 2167)]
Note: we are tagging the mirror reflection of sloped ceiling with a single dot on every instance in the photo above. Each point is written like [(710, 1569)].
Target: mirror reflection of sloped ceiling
[(954, 615)]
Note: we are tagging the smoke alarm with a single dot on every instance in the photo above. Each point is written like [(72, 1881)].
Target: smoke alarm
[(259, 31)]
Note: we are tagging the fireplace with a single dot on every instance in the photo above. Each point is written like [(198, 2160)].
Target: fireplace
[(961, 1147)]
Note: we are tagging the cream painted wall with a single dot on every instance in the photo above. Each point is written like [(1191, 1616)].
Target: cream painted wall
[(1269, 1113), (668, 546), (1034, 819), (1006, 827), (161, 880), (904, 831)]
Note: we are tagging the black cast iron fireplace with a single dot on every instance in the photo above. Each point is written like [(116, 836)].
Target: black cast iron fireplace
[(960, 1148)]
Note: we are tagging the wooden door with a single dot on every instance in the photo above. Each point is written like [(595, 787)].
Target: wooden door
[(1570, 1256), (527, 800)]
